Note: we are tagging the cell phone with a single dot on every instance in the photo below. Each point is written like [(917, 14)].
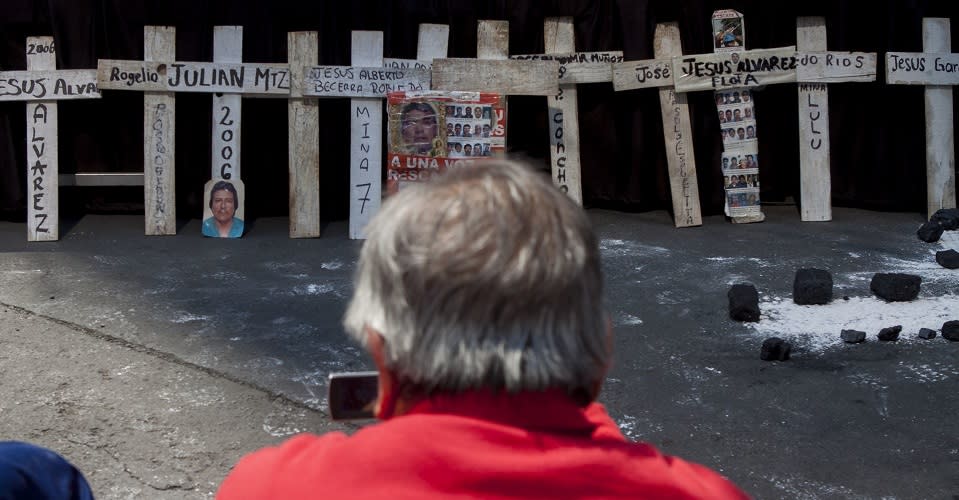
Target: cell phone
[(352, 395)]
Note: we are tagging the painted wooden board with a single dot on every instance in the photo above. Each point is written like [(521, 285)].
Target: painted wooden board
[(227, 47), (940, 136), (366, 132), (167, 75), (159, 144), (303, 134), (815, 182), (43, 211), (649, 73), (820, 66), (678, 133), (917, 68), (389, 62), (49, 84), (492, 40), (505, 77), (730, 70), (579, 67), (563, 114), (432, 42), (363, 81)]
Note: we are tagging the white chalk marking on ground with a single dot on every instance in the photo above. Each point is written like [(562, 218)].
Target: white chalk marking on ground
[(313, 289), (923, 372), (332, 265), (629, 319), (620, 247), (818, 327), (185, 317), (628, 427), (804, 489)]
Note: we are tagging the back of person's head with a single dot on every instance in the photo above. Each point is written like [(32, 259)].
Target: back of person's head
[(487, 277)]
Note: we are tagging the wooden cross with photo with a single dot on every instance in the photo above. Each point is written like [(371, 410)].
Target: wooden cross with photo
[(574, 68), (41, 86), (937, 68)]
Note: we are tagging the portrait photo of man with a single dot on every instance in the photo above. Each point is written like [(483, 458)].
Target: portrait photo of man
[(418, 127), (223, 216)]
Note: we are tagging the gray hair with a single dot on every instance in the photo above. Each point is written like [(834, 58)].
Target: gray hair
[(487, 277)]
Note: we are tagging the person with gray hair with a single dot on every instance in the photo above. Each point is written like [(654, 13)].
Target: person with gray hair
[(479, 297)]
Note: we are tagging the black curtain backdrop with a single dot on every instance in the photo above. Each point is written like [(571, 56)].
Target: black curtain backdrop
[(877, 131)]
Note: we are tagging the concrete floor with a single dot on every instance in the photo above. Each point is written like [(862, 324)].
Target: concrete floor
[(876, 420)]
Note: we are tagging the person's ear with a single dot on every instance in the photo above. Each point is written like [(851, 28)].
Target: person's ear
[(387, 387)]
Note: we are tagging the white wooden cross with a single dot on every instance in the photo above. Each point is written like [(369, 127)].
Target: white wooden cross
[(366, 82), (574, 67), (42, 85), (938, 69), (681, 160), (158, 76)]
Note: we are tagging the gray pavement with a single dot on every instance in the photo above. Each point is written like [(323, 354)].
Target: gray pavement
[(154, 363)]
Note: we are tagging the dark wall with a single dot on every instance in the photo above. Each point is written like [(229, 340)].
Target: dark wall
[(878, 159)]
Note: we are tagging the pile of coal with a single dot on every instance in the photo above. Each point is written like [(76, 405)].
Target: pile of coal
[(948, 259), (895, 287), (853, 336), (775, 349), (812, 286), (927, 333), (948, 218), (743, 302), (950, 330), (930, 232), (890, 334)]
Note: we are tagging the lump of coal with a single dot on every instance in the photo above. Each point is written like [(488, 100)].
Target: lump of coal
[(930, 231), (950, 330), (775, 349), (927, 333), (853, 336), (890, 334), (743, 302), (948, 259), (895, 287), (948, 217), (812, 286)]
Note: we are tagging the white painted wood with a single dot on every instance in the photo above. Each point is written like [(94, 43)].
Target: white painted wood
[(917, 68), (729, 70), (563, 115), (363, 81), (820, 66), (500, 76), (366, 145), (304, 140), (940, 140), (227, 108), (492, 39), (168, 75), (678, 133), (815, 182), (43, 212), (432, 42), (649, 73), (159, 144), (390, 62), (48, 85), (579, 67)]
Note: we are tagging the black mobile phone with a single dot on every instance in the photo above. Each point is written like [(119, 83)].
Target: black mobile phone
[(352, 395)]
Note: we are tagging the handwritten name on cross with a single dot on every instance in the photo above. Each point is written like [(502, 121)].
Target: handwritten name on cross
[(677, 130), (42, 85), (574, 67), (367, 82), (938, 69)]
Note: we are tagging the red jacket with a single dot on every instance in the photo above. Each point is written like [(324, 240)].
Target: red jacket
[(476, 445)]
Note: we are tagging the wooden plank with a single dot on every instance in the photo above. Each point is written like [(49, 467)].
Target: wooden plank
[(678, 133), (500, 76), (917, 68), (649, 73), (366, 145), (363, 81), (43, 211), (563, 115), (168, 75), (940, 139), (579, 67), (814, 175), (820, 66), (227, 108), (729, 70), (390, 62), (432, 42), (492, 40), (48, 85), (159, 139), (304, 139)]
